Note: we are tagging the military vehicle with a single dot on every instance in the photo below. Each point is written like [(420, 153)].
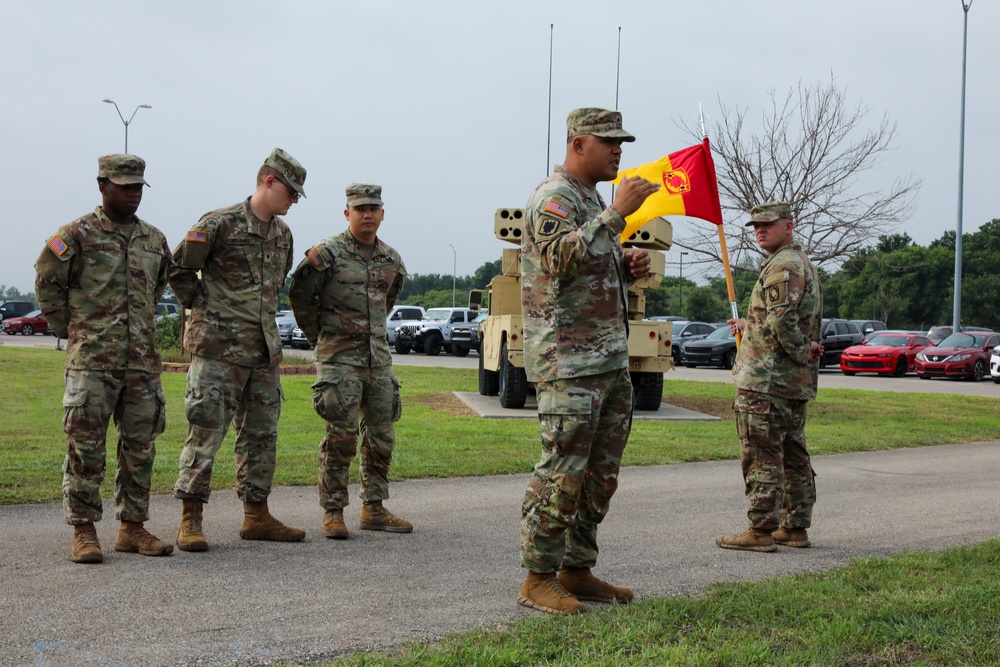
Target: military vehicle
[(501, 336)]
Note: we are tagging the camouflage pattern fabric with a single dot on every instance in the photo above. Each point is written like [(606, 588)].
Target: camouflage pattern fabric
[(598, 122), (785, 314), (243, 263), (218, 394), (573, 283), (135, 400), (585, 423), (353, 399), (341, 300), (776, 468), (98, 288)]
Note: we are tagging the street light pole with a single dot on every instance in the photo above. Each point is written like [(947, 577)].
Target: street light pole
[(680, 284), (126, 122), (956, 316), (454, 264)]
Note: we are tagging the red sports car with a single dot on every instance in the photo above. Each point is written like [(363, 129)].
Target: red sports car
[(885, 353), (965, 355), (28, 325)]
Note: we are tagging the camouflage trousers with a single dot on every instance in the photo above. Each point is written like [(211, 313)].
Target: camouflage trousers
[(585, 423), (135, 400), (355, 400), (777, 472), (219, 394)]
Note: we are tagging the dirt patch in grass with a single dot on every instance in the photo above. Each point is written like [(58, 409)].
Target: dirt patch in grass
[(717, 407), (445, 401)]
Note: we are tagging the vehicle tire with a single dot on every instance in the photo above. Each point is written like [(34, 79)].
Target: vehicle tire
[(401, 348), (676, 352), (513, 387), (27, 330), (489, 381), (432, 345), (848, 372), (923, 377), (648, 390), (978, 371), (900, 366), (11, 333), (459, 351), (730, 359), (996, 379), (690, 365)]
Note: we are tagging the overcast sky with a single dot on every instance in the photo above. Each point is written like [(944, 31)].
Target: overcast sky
[(445, 103)]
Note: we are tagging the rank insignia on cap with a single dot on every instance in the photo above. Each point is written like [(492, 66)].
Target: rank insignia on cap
[(557, 208), (314, 257), (58, 245), (196, 236)]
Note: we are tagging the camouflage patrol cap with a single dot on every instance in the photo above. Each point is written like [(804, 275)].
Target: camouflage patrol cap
[(598, 122), (769, 212), (122, 169), (359, 194), (293, 172)]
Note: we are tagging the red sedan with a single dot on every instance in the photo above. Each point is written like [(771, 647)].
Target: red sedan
[(28, 325), (885, 353), (965, 355)]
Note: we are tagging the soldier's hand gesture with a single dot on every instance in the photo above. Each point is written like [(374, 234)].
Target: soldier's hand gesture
[(631, 193)]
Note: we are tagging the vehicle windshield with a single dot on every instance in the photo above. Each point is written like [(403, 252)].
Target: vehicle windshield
[(34, 313), (437, 314), (722, 333), (962, 340), (481, 317), (891, 341)]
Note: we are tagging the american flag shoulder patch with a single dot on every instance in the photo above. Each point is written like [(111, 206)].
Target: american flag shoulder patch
[(57, 245), (557, 208), (196, 236), (315, 257)]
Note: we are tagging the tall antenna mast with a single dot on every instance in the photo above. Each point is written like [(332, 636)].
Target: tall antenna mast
[(548, 139), (618, 76)]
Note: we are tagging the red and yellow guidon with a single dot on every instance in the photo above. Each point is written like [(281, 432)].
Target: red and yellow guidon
[(676, 181)]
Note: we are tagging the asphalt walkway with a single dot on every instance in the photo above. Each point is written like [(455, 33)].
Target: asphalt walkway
[(251, 603)]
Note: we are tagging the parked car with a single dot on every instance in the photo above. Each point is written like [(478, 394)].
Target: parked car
[(942, 331), (869, 326), (465, 337), (401, 315), (16, 309), (286, 325), (667, 318), (432, 333), (716, 349), (872, 334), (685, 332), (27, 325), (167, 310), (995, 365), (885, 353), (838, 335), (298, 340), (965, 355)]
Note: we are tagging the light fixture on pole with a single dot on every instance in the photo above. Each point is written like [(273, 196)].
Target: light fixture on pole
[(126, 122), (680, 284), (454, 264), (956, 316)]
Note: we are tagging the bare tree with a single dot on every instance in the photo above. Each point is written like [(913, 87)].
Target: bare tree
[(812, 150)]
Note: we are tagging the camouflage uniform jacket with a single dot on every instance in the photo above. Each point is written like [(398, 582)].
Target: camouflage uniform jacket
[(785, 314), (99, 289), (573, 297), (243, 263), (341, 300)]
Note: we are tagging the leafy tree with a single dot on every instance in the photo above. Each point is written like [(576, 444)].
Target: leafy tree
[(702, 303), (485, 273)]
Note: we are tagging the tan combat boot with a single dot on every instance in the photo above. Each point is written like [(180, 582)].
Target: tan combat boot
[(376, 517), (189, 535), (133, 538), (333, 525), (581, 584), (258, 524), (792, 537), (542, 591), (750, 539), (86, 548)]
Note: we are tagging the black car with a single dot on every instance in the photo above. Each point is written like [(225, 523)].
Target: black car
[(685, 332), (716, 349), (838, 335), (10, 309)]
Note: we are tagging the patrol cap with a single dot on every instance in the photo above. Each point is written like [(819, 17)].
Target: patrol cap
[(598, 122), (293, 172), (359, 194), (769, 212), (122, 169)]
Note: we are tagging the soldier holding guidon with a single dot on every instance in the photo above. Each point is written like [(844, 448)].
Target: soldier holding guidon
[(574, 277), (775, 373), (99, 279), (341, 294)]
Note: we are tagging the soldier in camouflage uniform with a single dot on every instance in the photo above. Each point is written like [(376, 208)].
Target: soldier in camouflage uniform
[(775, 374), (228, 271), (99, 279), (341, 294), (574, 277)]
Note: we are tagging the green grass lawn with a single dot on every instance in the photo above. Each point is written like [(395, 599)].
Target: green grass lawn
[(439, 437)]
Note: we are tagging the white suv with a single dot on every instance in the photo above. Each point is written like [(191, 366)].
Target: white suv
[(401, 315), (995, 364)]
